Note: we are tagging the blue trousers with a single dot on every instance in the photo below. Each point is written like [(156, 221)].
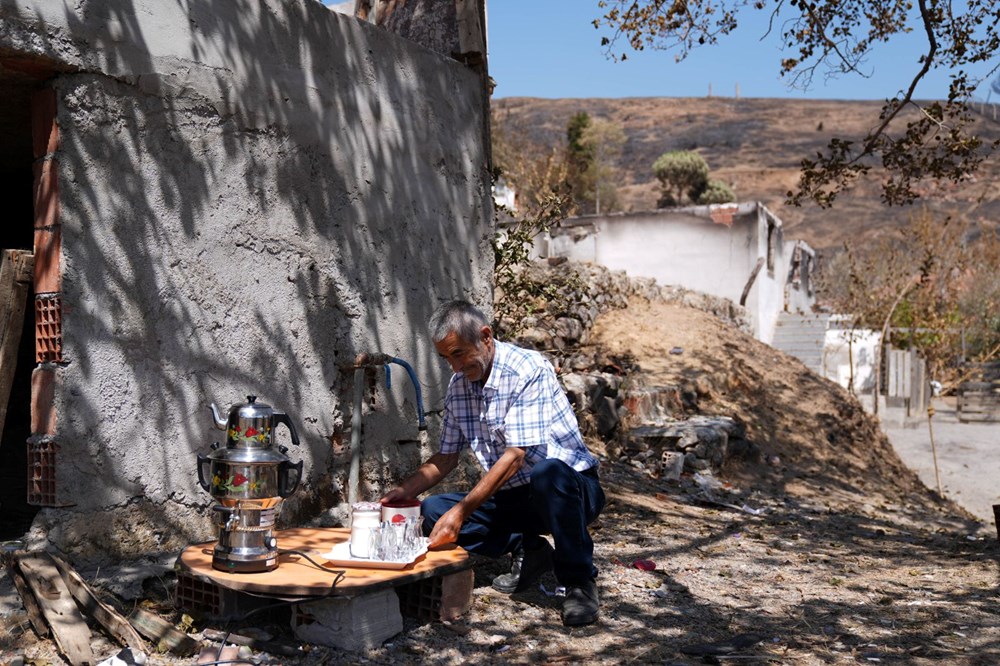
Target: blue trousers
[(559, 501)]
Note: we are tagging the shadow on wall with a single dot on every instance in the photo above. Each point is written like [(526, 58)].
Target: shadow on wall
[(247, 217)]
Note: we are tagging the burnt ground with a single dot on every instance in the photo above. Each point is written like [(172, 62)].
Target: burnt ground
[(824, 549)]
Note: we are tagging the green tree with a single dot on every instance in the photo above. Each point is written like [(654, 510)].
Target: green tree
[(910, 141), (683, 174), (516, 294), (604, 141), (716, 192), (927, 288), (579, 159)]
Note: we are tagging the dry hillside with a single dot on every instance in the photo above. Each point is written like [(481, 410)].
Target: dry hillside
[(756, 145)]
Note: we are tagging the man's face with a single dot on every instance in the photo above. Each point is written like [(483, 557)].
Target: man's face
[(472, 360)]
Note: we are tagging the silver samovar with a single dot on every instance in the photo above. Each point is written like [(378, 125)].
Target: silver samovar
[(249, 479)]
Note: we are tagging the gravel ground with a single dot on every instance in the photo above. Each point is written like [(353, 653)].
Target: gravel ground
[(825, 549), (968, 458)]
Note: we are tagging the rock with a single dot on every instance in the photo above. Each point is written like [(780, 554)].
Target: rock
[(569, 329), (578, 362), (577, 390), (607, 416), (695, 464), (535, 338)]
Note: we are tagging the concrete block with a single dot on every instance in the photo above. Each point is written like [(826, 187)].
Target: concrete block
[(672, 464), (355, 623), (456, 594)]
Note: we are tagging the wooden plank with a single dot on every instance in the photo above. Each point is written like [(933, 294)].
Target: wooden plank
[(69, 629), (30, 603), (108, 617), (165, 635), (15, 285), (471, 42)]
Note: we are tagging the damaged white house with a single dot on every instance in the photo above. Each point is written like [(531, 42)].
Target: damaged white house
[(734, 251)]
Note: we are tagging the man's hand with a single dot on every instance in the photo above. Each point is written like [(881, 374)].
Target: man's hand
[(427, 476), (447, 528), (397, 494)]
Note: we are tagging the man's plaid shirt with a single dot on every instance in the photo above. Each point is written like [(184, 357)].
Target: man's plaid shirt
[(521, 404)]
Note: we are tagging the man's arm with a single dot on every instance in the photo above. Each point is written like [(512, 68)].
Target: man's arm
[(447, 527), (428, 475)]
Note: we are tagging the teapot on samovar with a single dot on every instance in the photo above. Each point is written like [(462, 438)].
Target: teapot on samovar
[(249, 479)]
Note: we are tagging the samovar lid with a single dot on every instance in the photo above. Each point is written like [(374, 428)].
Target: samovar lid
[(251, 409)]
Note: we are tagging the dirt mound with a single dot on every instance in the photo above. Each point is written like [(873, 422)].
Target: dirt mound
[(815, 439)]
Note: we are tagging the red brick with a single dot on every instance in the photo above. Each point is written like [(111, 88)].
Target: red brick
[(44, 129), (48, 235), (48, 246), (43, 409), (48, 328), (722, 216), (48, 239)]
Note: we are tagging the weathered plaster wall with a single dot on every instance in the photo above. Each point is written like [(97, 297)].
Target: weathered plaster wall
[(251, 193)]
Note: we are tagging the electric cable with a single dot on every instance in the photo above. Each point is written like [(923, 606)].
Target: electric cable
[(339, 573)]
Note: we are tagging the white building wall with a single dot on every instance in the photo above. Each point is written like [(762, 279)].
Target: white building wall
[(683, 250), (849, 357), (767, 296), (692, 251)]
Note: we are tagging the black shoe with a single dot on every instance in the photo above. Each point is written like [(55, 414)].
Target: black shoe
[(526, 567), (581, 604)]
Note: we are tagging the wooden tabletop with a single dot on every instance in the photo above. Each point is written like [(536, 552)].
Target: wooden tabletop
[(298, 577)]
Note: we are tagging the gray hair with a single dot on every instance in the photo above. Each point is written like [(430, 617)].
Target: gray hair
[(459, 317)]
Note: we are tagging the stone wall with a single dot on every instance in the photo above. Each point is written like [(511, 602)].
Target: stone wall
[(638, 422)]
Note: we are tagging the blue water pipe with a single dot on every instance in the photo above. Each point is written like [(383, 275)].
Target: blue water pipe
[(421, 423)]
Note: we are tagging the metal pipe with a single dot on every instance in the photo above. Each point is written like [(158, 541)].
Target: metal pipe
[(354, 474), (421, 421), (361, 362)]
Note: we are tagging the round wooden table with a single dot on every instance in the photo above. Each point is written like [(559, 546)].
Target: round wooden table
[(296, 576)]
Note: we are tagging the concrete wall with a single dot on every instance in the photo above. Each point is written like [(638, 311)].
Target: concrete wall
[(800, 292), (250, 194), (711, 249), (849, 357)]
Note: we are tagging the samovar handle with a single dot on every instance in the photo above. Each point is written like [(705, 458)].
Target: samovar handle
[(285, 485), (280, 417), (203, 480)]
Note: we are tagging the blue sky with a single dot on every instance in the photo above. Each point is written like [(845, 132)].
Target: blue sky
[(549, 48)]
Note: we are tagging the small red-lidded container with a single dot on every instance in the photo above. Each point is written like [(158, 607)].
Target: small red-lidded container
[(399, 511)]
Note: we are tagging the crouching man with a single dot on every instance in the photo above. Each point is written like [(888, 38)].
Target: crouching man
[(507, 405)]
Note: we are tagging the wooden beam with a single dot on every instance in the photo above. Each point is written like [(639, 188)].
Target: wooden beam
[(109, 618), (471, 38), (69, 629), (28, 601), (15, 285), (163, 634)]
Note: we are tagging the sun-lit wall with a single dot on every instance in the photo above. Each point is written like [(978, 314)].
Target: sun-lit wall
[(250, 194)]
